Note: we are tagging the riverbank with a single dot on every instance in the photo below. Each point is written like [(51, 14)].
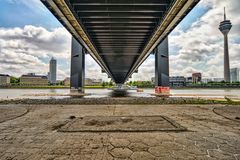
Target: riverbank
[(121, 100), (49, 87), (7, 94), (104, 87)]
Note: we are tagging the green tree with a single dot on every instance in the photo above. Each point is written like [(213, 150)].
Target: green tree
[(111, 83), (103, 84), (130, 83), (61, 83), (14, 80)]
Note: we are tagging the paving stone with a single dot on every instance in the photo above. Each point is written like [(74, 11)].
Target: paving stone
[(205, 158), (47, 157), (215, 140), (207, 145), (150, 141), (195, 137), (8, 156), (221, 155), (230, 149), (142, 156), (182, 155), (159, 151), (138, 147), (110, 147), (62, 157), (121, 152), (184, 141), (164, 137), (237, 156), (166, 157), (173, 146), (117, 142)]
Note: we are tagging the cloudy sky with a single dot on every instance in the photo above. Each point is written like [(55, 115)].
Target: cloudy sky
[(30, 35)]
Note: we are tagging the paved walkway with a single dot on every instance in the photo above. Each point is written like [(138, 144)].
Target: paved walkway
[(35, 135)]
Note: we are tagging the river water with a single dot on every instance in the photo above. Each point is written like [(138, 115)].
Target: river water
[(94, 93)]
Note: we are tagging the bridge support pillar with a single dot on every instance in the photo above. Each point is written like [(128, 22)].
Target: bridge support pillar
[(162, 68), (77, 67)]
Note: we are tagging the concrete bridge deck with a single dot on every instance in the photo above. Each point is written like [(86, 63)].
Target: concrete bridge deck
[(120, 34)]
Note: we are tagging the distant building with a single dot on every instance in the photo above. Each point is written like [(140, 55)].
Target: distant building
[(153, 80), (53, 71), (91, 82), (33, 79), (66, 81), (206, 80), (88, 81), (218, 79), (177, 81), (196, 77), (234, 72), (4, 79), (188, 79), (97, 81), (48, 76)]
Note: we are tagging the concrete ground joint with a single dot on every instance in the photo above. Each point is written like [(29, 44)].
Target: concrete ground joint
[(17, 116), (214, 111)]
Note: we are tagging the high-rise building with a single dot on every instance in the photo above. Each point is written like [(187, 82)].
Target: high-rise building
[(225, 27), (196, 77), (48, 76), (235, 74), (53, 71)]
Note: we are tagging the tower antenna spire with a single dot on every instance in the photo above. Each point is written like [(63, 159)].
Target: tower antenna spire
[(224, 14)]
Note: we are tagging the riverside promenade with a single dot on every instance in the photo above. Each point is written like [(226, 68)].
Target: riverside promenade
[(36, 130)]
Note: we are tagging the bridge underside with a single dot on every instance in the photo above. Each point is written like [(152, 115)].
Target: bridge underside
[(120, 34)]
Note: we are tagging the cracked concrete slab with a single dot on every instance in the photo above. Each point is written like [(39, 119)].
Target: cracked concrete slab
[(34, 136)]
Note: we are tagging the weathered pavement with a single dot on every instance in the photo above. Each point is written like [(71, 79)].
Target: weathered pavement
[(34, 134)]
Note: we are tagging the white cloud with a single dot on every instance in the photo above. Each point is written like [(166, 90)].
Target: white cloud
[(146, 70), (28, 49), (22, 49), (36, 41)]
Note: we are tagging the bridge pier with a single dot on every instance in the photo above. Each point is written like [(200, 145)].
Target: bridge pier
[(162, 68), (77, 67)]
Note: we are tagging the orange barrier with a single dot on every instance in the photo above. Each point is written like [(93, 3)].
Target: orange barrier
[(160, 90)]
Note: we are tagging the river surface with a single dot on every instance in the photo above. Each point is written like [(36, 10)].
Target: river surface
[(94, 93)]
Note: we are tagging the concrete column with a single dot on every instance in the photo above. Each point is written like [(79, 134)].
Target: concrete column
[(77, 67), (162, 67), (226, 60)]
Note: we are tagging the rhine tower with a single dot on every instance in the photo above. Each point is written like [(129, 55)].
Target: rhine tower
[(225, 27)]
